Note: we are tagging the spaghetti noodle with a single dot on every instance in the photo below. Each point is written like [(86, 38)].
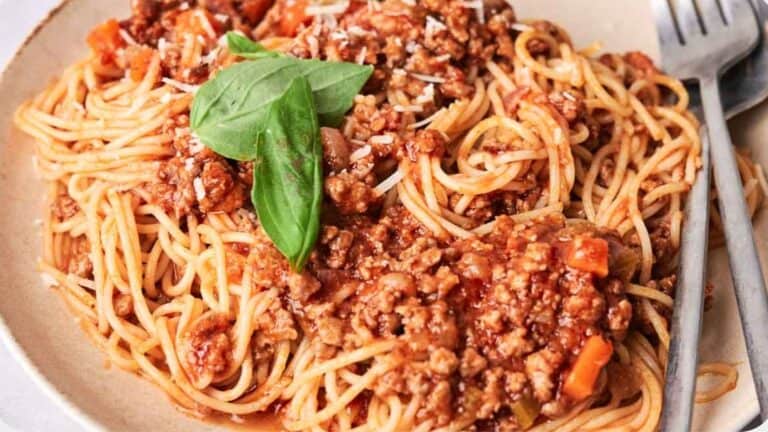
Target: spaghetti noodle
[(487, 157)]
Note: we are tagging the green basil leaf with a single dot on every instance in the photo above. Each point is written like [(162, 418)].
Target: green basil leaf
[(287, 174), (229, 111), (246, 48), (335, 85)]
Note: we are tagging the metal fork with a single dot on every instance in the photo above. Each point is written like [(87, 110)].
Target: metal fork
[(700, 40)]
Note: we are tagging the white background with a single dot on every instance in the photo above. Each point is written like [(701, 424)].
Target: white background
[(23, 407)]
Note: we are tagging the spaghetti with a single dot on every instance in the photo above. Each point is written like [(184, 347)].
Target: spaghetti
[(485, 159)]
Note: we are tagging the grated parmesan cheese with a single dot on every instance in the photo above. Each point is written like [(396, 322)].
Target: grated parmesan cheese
[(314, 46), (428, 78), (211, 56), (339, 35), (388, 183), (411, 46), (162, 46), (382, 139), (356, 30), (178, 85), (189, 164), (427, 120), (197, 184), (569, 96), (184, 6), (360, 58), (433, 26), (331, 9), (195, 145), (222, 18), (478, 6), (408, 108), (127, 37), (360, 153), (427, 95)]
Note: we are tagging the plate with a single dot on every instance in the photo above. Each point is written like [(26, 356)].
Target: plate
[(48, 342)]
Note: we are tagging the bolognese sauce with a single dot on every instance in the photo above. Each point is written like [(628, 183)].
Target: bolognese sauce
[(495, 246)]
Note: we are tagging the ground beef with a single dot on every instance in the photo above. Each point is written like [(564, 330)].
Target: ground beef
[(207, 346), (504, 315), (64, 207)]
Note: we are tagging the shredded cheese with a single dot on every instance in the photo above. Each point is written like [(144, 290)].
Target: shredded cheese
[(427, 120), (331, 9), (388, 183), (178, 85), (358, 31), (433, 26), (428, 78), (382, 139), (478, 6), (408, 108), (360, 59), (127, 37), (427, 95), (360, 153), (195, 145), (203, 17), (197, 184)]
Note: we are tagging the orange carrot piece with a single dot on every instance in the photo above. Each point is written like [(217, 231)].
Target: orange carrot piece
[(589, 254), (293, 16), (105, 40), (595, 354)]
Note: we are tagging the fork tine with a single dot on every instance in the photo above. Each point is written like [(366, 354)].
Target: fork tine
[(665, 23), (736, 9), (710, 14), (688, 19)]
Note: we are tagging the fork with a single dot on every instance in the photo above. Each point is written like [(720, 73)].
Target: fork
[(699, 41)]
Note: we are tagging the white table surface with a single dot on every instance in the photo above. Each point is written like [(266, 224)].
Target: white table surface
[(23, 407)]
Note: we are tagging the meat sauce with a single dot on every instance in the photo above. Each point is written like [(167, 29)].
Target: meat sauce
[(483, 324)]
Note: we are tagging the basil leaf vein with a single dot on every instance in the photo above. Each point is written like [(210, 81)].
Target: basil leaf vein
[(287, 174)]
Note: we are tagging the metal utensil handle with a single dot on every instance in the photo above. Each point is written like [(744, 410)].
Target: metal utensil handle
[(747, 275), (682, 363)]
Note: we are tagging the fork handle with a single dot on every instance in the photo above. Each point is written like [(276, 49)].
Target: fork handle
[(746, 272)]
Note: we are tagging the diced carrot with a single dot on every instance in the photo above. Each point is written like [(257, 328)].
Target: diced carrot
[(293, 16), (589, 254), (139, 59), (105, 40), (594, 355)]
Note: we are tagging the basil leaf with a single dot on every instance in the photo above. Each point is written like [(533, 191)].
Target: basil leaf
[(246, 48), (287, 174), (335, 85), (229, 111)]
